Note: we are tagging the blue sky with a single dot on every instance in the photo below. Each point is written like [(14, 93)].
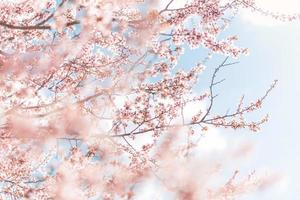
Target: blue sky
[(274, 54)]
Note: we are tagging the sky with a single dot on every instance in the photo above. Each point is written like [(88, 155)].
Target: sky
[(274, 54)]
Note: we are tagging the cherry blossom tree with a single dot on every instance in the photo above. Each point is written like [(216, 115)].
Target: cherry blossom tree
[(93, 101)]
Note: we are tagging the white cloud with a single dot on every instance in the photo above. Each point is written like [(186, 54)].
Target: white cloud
[(287, 7), (152, 190), (212, 141)]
